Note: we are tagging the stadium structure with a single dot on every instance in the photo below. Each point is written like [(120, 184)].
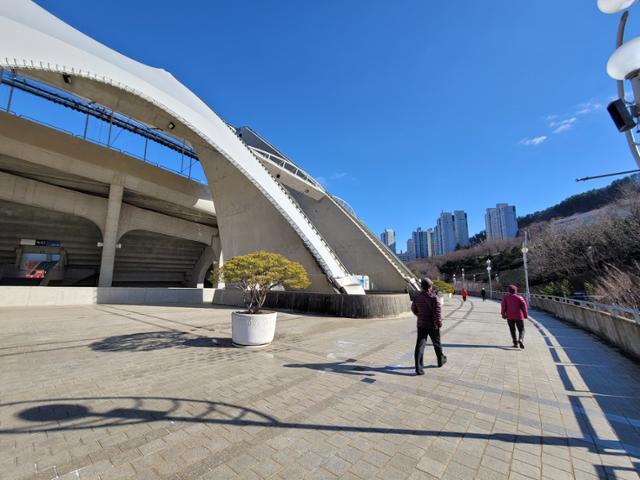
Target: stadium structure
[(114, 174)]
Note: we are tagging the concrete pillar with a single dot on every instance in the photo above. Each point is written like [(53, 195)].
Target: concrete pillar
[(218, 248), (201, 267), (110, 235)]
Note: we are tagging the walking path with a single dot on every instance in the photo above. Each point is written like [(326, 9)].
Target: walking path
[(115, 392)]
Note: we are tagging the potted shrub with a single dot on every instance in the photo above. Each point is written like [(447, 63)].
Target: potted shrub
[(256, 274)]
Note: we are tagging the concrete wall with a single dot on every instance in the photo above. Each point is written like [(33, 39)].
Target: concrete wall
[(42, 296), (353, 306), (621, 332)]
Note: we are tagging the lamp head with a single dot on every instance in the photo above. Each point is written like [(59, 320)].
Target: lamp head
[(614, 6), (624, 63)]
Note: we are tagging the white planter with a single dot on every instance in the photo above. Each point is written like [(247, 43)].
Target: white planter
[(253, 330)]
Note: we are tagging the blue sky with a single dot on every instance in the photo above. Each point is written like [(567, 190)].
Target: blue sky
[(402, 108)]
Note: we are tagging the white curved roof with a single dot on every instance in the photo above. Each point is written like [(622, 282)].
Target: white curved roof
[(32, 38)]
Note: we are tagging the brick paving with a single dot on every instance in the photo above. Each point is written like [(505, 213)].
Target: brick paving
[(123, 392)]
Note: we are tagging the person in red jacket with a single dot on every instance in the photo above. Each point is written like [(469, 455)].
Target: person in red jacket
[(514, 311), (426, 307), (464, 294)]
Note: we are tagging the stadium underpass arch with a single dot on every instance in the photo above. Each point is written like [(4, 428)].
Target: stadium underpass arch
[(149, 259), (44, 247)]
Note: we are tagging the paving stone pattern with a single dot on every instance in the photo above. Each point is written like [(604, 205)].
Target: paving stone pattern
[(122, 392)]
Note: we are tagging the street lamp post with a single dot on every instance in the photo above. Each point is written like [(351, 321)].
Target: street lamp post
[(454, 281), (489, 275), (525, 250), (624, 64), (463, 278)]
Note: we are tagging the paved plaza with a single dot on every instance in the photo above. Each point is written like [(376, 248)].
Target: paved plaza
[(117, 392)]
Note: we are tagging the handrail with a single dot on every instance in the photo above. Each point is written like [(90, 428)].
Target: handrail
[(50, 94), (624, 312), (284, 163), (595, 306)]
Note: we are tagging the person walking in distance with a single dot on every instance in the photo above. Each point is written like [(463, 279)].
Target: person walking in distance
[(483, 294), (464, 294), (514, 311), (426, 307)]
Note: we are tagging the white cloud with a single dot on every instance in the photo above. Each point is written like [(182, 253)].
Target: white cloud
[(324, 180), (562, 125), (588, 107), (533, 141)]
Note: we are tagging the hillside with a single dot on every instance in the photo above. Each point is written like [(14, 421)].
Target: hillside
[(582, 202)]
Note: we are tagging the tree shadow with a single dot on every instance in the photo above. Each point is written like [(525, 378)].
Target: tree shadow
[(149, 341)]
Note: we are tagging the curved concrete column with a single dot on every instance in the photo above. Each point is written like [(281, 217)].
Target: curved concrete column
[(248, 222), (201, 268), (362, 255)]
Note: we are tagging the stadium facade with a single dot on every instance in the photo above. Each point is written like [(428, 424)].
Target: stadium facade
[(76, 210)]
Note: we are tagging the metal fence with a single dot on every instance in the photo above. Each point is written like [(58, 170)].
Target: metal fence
[(616, 310)]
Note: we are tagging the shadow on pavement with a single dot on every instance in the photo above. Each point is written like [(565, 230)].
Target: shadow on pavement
[(148, 341), (89, 413), (353, 369), (470, 345), (599, 372)]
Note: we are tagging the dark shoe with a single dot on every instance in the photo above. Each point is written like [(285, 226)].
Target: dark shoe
[(515, 343), (521, 344), (442, 361), (419, 372)]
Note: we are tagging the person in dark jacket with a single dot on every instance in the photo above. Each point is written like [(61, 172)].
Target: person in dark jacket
[(427, 308), (483, 294), (514, 311)]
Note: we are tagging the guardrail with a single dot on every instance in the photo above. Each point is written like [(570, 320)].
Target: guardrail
[(287, 165), (624, 312)]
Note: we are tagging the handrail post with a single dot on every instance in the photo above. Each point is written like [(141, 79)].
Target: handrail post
[(110, 125), (10, 98)]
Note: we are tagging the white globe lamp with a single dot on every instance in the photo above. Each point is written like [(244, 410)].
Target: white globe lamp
[(614, 6)]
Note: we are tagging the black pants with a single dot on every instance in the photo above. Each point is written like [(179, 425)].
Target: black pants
[(512, 328), (423, 333)]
